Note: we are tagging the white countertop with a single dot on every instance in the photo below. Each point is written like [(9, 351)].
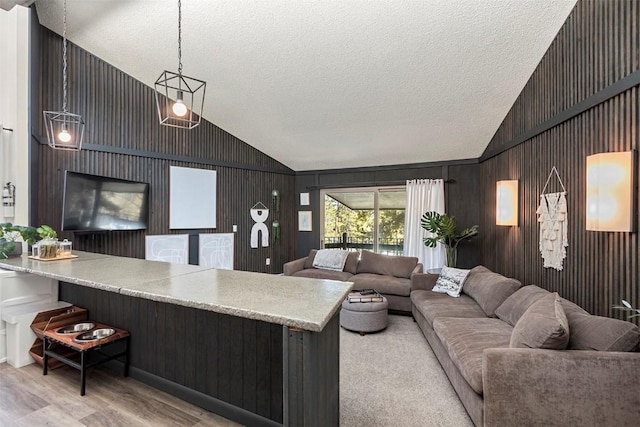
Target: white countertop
[(291, 301)]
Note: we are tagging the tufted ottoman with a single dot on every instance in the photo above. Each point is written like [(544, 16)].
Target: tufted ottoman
[(364, 316)]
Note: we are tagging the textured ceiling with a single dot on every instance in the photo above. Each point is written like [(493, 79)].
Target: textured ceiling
[(333, 83)]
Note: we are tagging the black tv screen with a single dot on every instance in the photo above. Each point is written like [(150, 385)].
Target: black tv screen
[(96, 203)]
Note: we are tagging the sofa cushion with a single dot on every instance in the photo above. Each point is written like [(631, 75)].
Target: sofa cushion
[(590, 332), (350, 266), (450, 281), (387, 285), (489, 289), (512, 309), (316, 273), (543, 325), (312, 256), (330, 259), (398, 266), (465, 341), (433, 305)]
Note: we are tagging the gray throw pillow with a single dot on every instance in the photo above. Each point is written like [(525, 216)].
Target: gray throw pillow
[(489, 289), (514, 307), (543, 325)]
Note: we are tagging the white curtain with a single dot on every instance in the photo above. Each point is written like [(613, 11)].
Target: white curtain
[(423, 195)]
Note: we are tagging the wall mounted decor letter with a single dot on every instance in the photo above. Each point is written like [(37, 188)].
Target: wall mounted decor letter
[(259, 213)]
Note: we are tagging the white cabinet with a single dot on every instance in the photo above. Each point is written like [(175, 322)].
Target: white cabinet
[(18, 293)]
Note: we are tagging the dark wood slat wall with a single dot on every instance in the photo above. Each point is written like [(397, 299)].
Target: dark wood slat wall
[(228, 365), (120, 114), (598, 45)]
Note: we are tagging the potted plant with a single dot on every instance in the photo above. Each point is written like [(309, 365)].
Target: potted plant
[(11, 236), (626, 306), (444, 228), (48, 246)]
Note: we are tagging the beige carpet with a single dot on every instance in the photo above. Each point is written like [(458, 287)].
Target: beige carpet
[(392, 378)]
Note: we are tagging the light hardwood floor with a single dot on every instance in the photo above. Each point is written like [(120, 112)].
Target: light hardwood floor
[(27, 398)]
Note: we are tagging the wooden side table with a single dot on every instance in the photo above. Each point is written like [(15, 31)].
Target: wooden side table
[(84, 349)]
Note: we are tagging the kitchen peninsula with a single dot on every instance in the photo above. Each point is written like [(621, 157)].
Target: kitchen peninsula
[(257, 348)]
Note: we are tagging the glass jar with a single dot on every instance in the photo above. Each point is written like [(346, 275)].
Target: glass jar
[(64, 248), (46, 248)]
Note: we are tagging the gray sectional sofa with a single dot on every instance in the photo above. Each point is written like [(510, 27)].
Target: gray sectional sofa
[(587, 372), (389, 275)]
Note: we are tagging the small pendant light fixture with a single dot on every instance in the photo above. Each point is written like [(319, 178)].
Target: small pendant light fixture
[(65, 130), (179, 98)]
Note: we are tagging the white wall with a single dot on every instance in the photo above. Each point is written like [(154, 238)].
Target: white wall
[(14, 108)]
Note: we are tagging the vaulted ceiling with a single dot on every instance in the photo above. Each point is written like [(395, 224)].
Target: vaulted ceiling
[(333, 83)]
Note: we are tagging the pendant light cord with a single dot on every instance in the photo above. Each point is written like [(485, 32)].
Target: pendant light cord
[(64, 58), (179, 37)]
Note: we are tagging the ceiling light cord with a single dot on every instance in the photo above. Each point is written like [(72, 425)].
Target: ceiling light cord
[(64, 58), (179, 37)]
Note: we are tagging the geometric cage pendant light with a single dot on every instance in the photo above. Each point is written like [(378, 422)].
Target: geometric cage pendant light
[(65, 130), (180, 99)]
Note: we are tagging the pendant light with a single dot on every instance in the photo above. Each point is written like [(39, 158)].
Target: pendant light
[(179, 98), (65, 130)]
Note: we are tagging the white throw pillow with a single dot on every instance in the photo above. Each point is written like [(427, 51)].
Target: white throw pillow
[(450, 281)]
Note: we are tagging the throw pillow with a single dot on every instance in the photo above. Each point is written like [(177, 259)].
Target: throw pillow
[(512, 309), (543, 325), (330, 259), (489, 289), (450, 281)]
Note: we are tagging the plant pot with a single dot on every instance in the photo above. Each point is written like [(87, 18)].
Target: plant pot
[(452, 256), (16, 252)]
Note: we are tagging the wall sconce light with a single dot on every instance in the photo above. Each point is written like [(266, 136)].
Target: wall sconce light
[(507, 202), (610, 191)]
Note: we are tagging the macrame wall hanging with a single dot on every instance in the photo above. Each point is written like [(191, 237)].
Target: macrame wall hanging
[(552, 216)]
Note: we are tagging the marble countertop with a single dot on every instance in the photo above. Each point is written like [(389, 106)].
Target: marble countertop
[(290, 301)]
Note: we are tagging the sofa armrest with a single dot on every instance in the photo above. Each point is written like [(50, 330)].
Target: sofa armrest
[(419, 269), (560, 388), (292, 266), (423, 281)]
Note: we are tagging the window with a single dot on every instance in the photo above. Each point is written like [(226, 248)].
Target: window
[(364, 218)]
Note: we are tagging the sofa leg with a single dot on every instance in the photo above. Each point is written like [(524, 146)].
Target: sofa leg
[(414, 319), (361, 333)]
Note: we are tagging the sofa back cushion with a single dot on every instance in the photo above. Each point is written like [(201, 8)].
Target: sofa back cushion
[(350, 266), (489, 289), (589, 332), (543, 325), (512, 309), (398, 266), (312, 255)]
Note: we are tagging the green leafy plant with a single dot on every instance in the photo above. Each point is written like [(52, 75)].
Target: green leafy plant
[(444, 228), (46, 232), (626, 306), (11, 234)]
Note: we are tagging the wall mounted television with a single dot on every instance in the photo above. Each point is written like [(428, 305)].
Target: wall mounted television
[(100, 203)]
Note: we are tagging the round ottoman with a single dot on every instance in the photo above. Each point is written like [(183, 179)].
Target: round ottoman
[(364, 316)]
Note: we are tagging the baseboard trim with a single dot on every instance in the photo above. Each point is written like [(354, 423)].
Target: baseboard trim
[(202, 400)]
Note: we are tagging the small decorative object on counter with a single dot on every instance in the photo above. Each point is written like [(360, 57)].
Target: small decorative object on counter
[(64, 248), (46, 248)]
